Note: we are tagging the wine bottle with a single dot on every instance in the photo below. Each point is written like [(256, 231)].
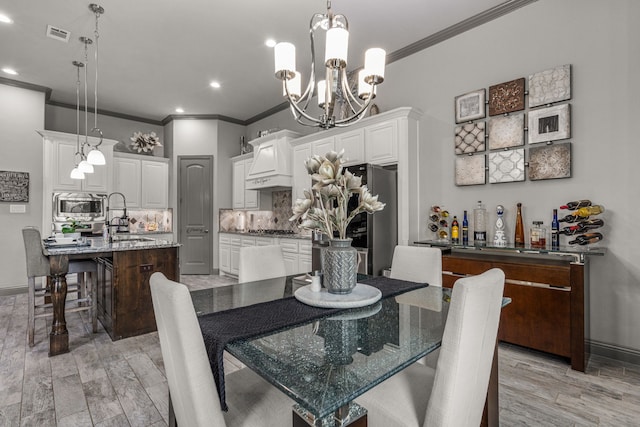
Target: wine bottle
[(465, 229), (576, 204), (581, 227), (555, 228), (480, 224), (572, 218), (455, 231), (519, 234), (586, 239), (589, 210)]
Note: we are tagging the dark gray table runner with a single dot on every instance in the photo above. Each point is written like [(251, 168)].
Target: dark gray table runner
[(222, 328)]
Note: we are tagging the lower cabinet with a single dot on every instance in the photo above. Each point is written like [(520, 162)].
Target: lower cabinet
[(296, 252), (124, 301)]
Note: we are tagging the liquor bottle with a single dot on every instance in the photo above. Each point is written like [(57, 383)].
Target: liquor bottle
[(465, 229), (455, 231), (582, 226), (576, 204), (586, 239), (555, 228), (589, 210), (480, 224), (572, 218), (538, 235), (519, 234)]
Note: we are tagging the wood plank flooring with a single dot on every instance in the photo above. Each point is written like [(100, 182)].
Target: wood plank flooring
[(122, 383)]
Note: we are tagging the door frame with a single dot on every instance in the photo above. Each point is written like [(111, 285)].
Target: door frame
[(210, 158)]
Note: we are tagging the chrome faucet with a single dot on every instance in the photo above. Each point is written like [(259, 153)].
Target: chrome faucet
[(109, 222)]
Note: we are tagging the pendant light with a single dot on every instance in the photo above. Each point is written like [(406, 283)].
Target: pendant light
[(77, 173), (95, 156), (84, 166)]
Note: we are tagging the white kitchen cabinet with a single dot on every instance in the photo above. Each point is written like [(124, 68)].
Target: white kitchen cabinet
[(353, 144), (236, 242), (154, 184), (304, 256), (60, 155), (224, 254), (143, 181), (240, 196), (265, 241), (381, 143), (301, 178), (323, 146)]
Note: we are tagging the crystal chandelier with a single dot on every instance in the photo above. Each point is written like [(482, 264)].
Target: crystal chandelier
[(334, 95)]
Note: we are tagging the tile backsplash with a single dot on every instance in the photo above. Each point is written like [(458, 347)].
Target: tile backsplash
[(275, 219), (147, 220)]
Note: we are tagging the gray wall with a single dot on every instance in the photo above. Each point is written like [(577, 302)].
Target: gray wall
[(600, 40), (63, 119), (21, 113)]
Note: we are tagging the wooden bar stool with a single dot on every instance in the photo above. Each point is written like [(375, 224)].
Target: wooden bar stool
[(38, 266)]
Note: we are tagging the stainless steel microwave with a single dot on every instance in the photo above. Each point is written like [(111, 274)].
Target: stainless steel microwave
[(87, 208)]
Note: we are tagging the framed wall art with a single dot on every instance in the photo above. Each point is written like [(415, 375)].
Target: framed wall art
[(550, 124), (470, 106), (470, 138), (549, 86), (506, 166), (506, 97), (506, 131), (470, 170), (14, 186), (550, 161)]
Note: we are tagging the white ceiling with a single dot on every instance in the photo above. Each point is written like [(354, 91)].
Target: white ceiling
[(158, 55)]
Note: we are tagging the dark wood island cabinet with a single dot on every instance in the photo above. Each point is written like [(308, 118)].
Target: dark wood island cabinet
[(548, 291), (125, 308)]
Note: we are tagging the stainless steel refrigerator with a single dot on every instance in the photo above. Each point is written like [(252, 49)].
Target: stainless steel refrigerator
[(375, 235)]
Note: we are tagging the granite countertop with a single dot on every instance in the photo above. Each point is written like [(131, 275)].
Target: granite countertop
[(278, 235), (97, 245)]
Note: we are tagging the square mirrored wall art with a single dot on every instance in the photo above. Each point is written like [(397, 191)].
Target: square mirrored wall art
[(470, 106), (506, 166), (550, 124), (549, 86), (506, 131), (470, 138), (550, 161), (470, 170), (506, 97)]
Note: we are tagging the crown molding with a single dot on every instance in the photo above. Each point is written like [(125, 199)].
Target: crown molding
[(25, 85)]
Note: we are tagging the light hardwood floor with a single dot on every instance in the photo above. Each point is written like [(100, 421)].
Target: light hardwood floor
[(122, 383)]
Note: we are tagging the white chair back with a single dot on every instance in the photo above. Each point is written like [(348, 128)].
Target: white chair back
[(193, 391), (466, 355), (260, 262), (417, 264)]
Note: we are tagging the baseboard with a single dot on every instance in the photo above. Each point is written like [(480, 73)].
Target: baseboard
[(13, 290), (616, 352)]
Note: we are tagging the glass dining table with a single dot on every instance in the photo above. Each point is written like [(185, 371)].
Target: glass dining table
[(325, 364)]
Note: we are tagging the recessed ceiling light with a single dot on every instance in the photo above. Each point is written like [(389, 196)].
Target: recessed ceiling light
[(215, 85), (10, 71), (270, 42), (5, 19), (179, 110)]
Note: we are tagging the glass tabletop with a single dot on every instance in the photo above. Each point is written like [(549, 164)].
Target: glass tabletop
[(325, 364)]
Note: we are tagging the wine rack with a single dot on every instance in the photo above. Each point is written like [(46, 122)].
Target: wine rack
[(581, 222), (439, 223)]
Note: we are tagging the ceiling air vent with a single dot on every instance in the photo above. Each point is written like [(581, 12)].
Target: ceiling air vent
[(58, 33)]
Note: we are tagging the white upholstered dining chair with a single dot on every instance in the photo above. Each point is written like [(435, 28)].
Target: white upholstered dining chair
[(251, 400), (260, 262), (417, 264), (452, 395)]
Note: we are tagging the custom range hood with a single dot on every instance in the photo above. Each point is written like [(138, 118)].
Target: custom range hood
[(271, 167)]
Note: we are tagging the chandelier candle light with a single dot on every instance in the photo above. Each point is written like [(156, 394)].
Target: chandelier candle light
[(336, 79), (325, 208)]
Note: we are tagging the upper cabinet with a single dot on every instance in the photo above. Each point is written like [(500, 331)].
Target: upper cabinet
[(60, 158), (144, 181), (240, 196), (381, 142)]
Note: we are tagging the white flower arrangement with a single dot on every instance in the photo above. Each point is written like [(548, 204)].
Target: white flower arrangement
[(325, 207), (144, 142)]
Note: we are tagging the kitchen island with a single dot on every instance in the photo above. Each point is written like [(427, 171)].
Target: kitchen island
[(124, 298)]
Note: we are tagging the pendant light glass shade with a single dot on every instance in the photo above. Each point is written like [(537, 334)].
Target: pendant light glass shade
[(335, 54), (85, 167), (76, 173), (95, 157)]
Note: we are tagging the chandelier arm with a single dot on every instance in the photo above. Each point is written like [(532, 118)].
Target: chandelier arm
[(357, 116), (347, 95)]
